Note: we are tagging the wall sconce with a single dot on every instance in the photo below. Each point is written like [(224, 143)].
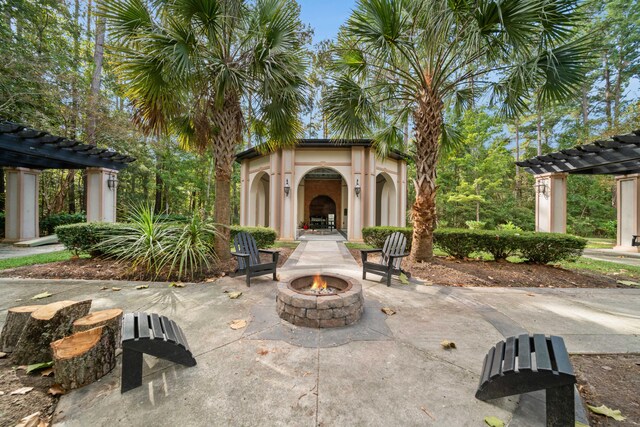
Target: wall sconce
[(542, 187), (287, 189), (357, 188), (112, 181)]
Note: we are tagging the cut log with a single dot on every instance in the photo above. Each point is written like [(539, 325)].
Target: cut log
[(110, 319), (83, 357), (45, 325), (17, 318)]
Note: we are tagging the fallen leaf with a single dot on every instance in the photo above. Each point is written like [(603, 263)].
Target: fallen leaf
[(142, 287), (388, 311), (531, 295), (490, 278), (46, 372), (42, 295), (177, 285), (404, 279), (211, 279), (3, 355), (38, 366), (116, 289), (628, 283), (32, 420), (423, 409), (238, 324), (607, 368), (448, 345), (104, 288), (493, 421), (21, 368), (23, 390), (263, 352), (603, 410), (56, 389), (234, 295)]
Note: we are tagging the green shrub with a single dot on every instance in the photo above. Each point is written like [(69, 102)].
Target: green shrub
[(375, 236), (475, 225), (264, 236), (535, 247), (543, 248), (49, 223), (84, 237), (509, 226)]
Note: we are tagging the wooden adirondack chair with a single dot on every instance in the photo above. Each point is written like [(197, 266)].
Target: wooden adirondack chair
[(248, 256), (390, 260)]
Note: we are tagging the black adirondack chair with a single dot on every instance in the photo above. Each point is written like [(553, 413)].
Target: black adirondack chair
[(390, 260), (248, 256)]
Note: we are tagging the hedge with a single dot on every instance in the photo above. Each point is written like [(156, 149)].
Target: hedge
[(461, 243), (375, 236), (264, 236), (83, 237), (49, 223), (535, 247)]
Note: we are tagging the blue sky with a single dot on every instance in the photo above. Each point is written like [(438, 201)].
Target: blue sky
[(325, 16)]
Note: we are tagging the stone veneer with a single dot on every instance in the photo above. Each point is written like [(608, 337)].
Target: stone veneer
[(326, 311)]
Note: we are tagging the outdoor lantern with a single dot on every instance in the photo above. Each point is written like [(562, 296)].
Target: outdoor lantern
[(357, 188), (542, 187), (286, 187), (112, 181)]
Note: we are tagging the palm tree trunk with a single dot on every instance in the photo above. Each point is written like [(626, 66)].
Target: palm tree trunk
[(94, 91), (228, 121), (428, 128)]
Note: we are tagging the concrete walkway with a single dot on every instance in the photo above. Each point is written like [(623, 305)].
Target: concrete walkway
[(387, 370), (11, 251), (619, 257)]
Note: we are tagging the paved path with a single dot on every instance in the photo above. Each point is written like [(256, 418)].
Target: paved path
[(386, 371), (11, 251), (619, 257)]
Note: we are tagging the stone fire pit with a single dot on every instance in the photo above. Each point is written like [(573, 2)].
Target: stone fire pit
[(339, 304)]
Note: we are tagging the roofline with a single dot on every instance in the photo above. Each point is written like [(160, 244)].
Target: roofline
[(253, 153)]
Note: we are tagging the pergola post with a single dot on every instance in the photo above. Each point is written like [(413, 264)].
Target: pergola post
[(101, 194), (551, 202), (21, 204), (627, 203)]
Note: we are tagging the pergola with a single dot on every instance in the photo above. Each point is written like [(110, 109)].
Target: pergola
[(619, 156), (25, 152)]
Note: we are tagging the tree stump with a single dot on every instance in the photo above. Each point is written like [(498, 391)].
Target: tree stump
[(45, 325), (110, 319), (83, 357), (17, 318)]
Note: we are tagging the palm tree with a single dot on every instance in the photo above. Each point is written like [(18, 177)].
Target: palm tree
[(189, 66), (402, 60)]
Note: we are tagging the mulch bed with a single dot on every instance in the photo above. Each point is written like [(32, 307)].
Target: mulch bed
[(106, 269), (612, 380), (454, 272)]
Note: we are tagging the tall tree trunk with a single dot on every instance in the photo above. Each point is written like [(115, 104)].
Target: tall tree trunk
[(585, 111), (159, 189), (76, 71), (428, 127), (2, 195), (617, 93), (539, 129), (71, 182), (607, 91), (229, 122), (83, 197), (94, 91), (517, 126)]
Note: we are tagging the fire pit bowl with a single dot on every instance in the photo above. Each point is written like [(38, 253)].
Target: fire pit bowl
[(340, 304)]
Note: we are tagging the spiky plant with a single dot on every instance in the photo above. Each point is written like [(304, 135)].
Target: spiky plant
[(402, 60), (188, 65)]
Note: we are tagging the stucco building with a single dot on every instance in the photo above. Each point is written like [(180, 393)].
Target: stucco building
[(324, 184)]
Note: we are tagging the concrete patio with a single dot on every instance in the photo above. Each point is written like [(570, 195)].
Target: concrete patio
[(383, 371)]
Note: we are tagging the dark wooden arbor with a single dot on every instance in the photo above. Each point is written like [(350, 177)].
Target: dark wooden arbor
[(25, 152), (618, 156)]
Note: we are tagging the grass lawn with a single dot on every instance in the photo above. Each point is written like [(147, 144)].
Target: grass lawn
[(291, 245), (36, 259), (597, 243), (604, 267)]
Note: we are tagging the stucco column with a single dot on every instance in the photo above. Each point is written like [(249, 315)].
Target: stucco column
[(244, 193), (276, 193), (289, 203), (101, 197), (356, 204), (627, 203), (21, 204), (402, 193), (369, 196), (551, 202)]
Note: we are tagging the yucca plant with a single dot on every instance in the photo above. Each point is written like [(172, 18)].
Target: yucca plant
[(190, 247), (141, 240)]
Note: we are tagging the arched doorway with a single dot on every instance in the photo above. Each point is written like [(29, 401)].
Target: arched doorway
[(322, 200), (259, 200), (386, 201), (322, 212)]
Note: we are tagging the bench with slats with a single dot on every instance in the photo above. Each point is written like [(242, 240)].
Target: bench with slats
[(248, 256), (526, 363), (151, 334)]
